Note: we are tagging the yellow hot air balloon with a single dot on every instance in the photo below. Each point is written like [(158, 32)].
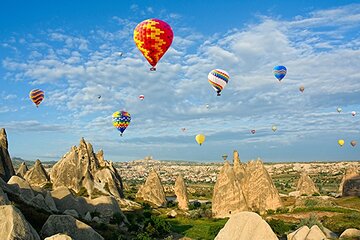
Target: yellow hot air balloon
[(200, 138), (341, 142)]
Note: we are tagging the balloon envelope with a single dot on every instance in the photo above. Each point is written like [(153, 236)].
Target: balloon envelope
[(224, 157), (153, 38), (253, 131), (339, 110), (121, 120), (141, 97), (341, 142), (37, 96), (302, 88), (279, 72), (218, 79), (353, 113), (200, 139), (274, 128), (353, 143)]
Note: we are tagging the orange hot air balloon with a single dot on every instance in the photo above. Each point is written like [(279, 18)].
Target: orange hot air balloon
[(153, 38)]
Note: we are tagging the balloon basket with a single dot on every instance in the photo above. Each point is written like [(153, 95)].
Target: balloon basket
[(153, 69)]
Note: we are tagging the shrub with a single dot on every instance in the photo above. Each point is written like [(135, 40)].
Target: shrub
[(316, 194), (280, 227), (171, 204), (311, 221), (270, 212), (143, 236), (282, 210), (117, 218), (310, 203)]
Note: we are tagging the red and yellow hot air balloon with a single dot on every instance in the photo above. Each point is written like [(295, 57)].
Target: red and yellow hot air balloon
[(37, 96), (153, 38)]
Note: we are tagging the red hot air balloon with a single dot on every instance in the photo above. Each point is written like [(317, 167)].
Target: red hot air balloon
[(253, 131), (153, 38), (141, 97)]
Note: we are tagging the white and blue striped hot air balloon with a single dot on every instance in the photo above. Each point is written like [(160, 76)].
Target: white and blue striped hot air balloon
[(279, 72)]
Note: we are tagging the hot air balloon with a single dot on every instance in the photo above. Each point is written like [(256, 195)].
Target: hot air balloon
[(200, 139), (339, 110), (207, 106), (153, 38), (37, 96), (353, 113), (218, 79), (274, 128), (141, 97), (183, 129), (279, 72), (224, 157), (353, 143), (302, 88), (121, 120), (253, 131), (99, 96), (341, 142)]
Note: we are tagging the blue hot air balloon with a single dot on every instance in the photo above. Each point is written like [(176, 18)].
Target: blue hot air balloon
[(279, 72)]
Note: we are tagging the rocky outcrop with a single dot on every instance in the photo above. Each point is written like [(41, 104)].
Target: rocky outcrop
[(350, 183), (106, 206), (59, 236), (246, 225), (14, 225), (81, 169), (70, 226), (22, 170), (37, 175), (6, 167), (306, 233), (260, 191), (152, 191), (228, 197), (351, 233), (21, 188), (306, 186), (3, 198), (181, 193), (239, 168)]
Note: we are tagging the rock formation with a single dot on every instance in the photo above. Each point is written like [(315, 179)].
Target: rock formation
[(152, 191), (70, 226), (59, 237), (6, 167), (350, 233), (14, 225), (306, 186), (37, 175), (349, 179), (260, 191), (239, 168), (22, 170), (304, 233), (228, 197), (181, 193), (246, 225), (21, 188), (3, 198), (81, 169)]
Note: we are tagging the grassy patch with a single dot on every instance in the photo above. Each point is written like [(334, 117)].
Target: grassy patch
[(323, 209), (340, 223), (197, 229), (350, 202)]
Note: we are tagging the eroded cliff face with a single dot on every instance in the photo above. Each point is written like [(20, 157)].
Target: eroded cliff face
[(306, 186), (6, 167), (81, 168), (152, 191)]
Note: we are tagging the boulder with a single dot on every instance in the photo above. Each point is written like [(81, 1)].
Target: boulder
[(81, 169), (306, 186), (352, 187), (22, 188), (88, 217), (59, 236), (299, 234), (246, 225), (49, 201), (259, 189), (228, 197), (181, 193), (6, 167), (14, 225), (3, 198), (329, 234), (152, 191), (351, 233), (22, 170), (39, 202), (172, 214), (315, 233), (71, 212), (37, 175), (68, 225), (106, 206)]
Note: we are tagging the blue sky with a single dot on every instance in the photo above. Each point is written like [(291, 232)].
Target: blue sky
[(71, 51)]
